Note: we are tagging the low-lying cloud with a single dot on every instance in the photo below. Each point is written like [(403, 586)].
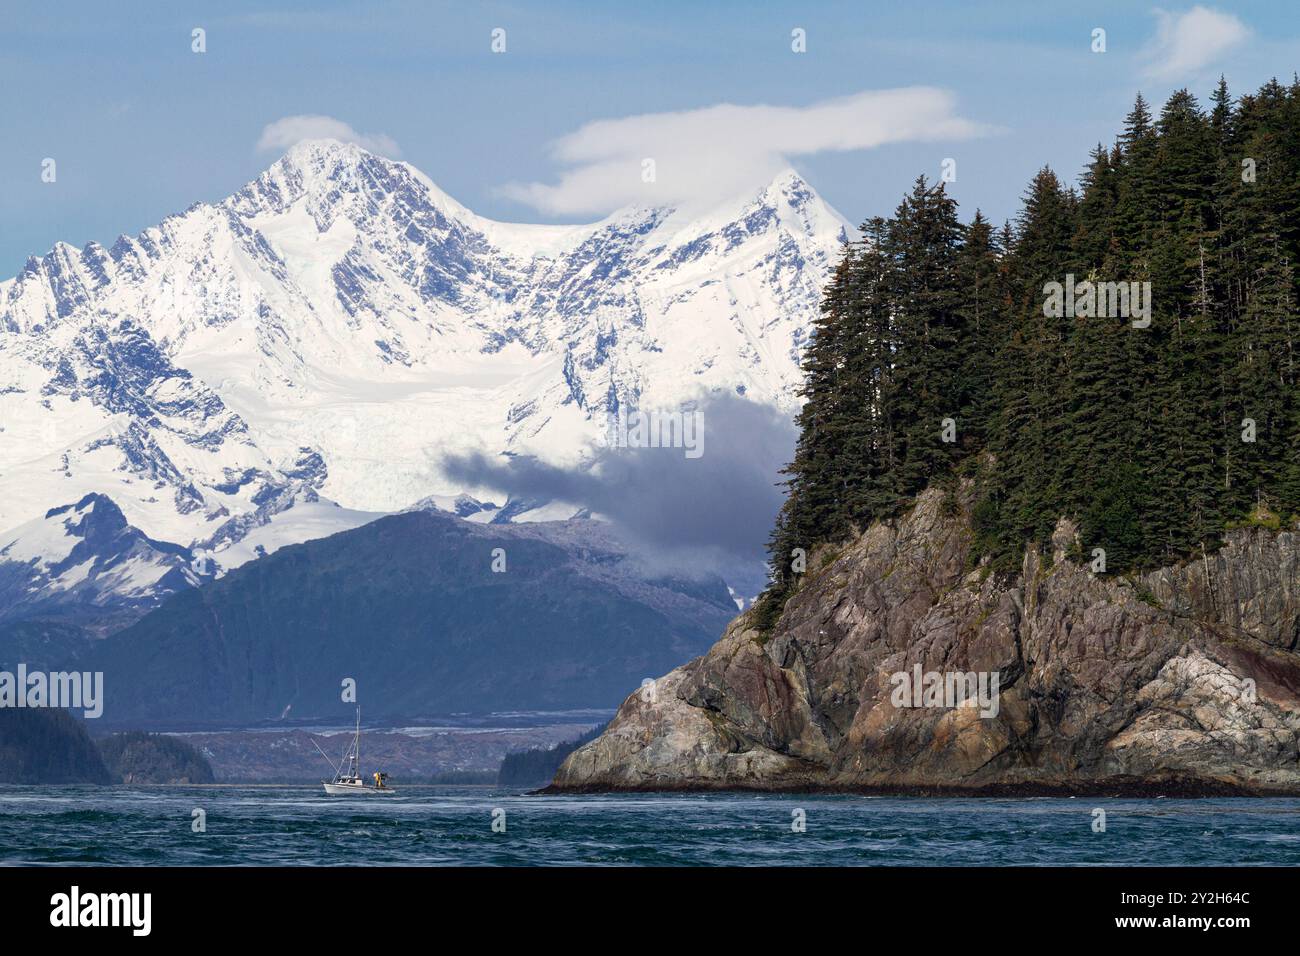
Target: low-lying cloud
[(713, 512), (712, 153)]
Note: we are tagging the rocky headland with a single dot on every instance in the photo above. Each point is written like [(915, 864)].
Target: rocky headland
[(1180, 681)]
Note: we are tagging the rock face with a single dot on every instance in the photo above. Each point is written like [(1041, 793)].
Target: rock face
[(1182, 680)]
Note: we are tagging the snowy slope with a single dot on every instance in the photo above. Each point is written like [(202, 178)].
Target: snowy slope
[(85, 558), (328, 333)]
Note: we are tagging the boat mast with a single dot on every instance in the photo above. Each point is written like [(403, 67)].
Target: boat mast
[(356, 748)]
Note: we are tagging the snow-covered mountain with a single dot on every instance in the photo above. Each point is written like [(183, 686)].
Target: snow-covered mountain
[(299, 358), (83, 562)]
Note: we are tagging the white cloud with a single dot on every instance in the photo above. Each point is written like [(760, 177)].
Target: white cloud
[(283, 133), (714, 152), (1188, 42)]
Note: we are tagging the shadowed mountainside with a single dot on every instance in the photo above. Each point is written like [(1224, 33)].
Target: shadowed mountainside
[(411, 608), (47, 745)]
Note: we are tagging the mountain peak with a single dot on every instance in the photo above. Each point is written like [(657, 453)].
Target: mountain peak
[(786, 201), (399, 326), (310, 162), (89, 504), (307, 151), (790, 189), (327, 168)]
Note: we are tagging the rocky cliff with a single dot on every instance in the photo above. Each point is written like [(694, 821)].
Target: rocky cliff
[(1183, 680)]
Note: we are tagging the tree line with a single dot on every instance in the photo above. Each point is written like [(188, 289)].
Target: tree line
[(1026, 357)]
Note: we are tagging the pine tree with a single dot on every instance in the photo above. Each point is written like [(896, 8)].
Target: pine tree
[(815, 508), (1185, 327), (1028, 433), (983, 304), (928, 332)]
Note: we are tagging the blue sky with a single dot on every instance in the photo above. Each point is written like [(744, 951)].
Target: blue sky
[(140, 126)]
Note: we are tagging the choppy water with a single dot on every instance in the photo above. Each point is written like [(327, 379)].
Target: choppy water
[(439, 825)]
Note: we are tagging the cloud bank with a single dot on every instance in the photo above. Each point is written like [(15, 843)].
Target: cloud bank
[(708, 513), (1186, 43), (715, 152), (283, 133)]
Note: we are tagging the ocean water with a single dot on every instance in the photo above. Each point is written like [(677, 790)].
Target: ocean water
[(454, 826)]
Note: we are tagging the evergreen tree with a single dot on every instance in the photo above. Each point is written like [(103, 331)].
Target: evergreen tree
[(928, 334), (1139, 430), (983, 304), (1028, 433)]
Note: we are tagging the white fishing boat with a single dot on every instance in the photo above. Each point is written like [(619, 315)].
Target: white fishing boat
[(347, 780)]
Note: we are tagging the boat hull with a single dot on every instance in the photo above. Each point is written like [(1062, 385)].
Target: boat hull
[(355, 790)]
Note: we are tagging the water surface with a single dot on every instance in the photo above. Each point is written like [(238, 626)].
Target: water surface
[(449, 825)]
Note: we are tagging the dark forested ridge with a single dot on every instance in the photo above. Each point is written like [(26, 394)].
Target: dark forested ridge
[(944, 351), (410, 607), (47, 745), (138, 757), (536, 766)]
